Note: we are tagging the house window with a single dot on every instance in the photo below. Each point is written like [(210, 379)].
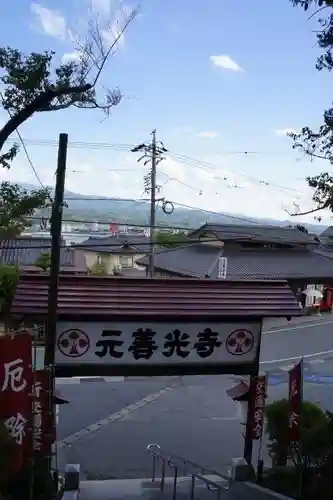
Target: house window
[(100, 259), (126, 262)]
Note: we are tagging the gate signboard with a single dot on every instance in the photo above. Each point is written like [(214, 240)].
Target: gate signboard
[(124, 348)]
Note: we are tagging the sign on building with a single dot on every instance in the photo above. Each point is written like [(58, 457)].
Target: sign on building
[(180, 347)]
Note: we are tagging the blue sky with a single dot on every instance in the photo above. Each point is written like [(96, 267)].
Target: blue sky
[(214, 78)]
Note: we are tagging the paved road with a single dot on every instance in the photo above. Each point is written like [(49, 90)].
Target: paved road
[(195, 419)]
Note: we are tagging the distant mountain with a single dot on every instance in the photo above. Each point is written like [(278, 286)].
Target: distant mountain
[(103, 209)]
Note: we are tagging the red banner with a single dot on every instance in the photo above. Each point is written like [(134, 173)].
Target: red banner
[(295, 401), (15, 392), (258, 397), (41, 419)]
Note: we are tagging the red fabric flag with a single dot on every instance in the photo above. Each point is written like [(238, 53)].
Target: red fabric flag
[(257, 399), (295, 401), (15, 393)]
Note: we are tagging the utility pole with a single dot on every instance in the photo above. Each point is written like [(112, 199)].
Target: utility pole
[(51, 325), (153, 154), (152, 206)]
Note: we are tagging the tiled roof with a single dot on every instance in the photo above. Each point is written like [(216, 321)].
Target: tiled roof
[(328, 233), (25, 250), (199, 260), (273, 234), (326, 250), (116, 244), (130, 298)]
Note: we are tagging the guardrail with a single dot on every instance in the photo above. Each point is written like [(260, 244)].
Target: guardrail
[(182, 465)]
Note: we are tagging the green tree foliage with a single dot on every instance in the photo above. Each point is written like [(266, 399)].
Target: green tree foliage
[(44, 261), (312, 460), (16, 205), (36, 83), (319, 143), (98, 269), (9, 276), (277, 428), (170, 240)]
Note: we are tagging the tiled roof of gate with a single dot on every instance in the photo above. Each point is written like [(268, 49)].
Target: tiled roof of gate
[(198, 260), (131, 297)]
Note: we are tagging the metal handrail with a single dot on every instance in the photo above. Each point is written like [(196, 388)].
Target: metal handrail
[(178, 463)]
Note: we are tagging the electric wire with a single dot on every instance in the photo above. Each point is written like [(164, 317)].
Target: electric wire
[(26, 152), (177, 156)]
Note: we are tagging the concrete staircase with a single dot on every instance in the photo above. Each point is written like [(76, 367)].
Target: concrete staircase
[(137, 489)]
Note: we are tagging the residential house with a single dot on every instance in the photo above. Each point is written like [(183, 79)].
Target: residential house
[(24, 251), (253, 252), (117, 253)]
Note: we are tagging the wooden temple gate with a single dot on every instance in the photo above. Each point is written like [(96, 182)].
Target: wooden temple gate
[(110, 326)]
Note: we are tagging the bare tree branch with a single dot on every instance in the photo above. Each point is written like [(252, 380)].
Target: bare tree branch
[(70, 87), (306, 212), (36, 105)]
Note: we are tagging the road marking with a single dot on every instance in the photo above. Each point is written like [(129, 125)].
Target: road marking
[(96, 426), (298, 327), (286, 368), (231, 419), (318, 361), (81, 380), (293, 358)]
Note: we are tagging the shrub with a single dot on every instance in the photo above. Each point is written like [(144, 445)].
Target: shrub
[(277, 428)]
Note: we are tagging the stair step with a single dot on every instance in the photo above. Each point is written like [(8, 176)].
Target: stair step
[(136, 489)]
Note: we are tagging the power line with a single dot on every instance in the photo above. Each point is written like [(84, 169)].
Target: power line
[(178, 156), (128, 147), (182, 205), (210, 167), (26, 152), (117, 223), (239, 218)]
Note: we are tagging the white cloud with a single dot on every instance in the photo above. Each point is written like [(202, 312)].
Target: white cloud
[(115, 27), (101, 6), (225, 62), (285, 131), (111, 34), (70, 57), (209, 134), (52, 22)]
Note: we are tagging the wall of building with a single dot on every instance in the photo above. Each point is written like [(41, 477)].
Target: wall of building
[(112, 261), (211, 236)]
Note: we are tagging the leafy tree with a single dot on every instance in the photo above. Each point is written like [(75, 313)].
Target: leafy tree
[(277, 428), (98, 269), (16, 205), (170, 240), (44, 261), (319, 143), (9, 276), (313, 460), (36, 83)]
